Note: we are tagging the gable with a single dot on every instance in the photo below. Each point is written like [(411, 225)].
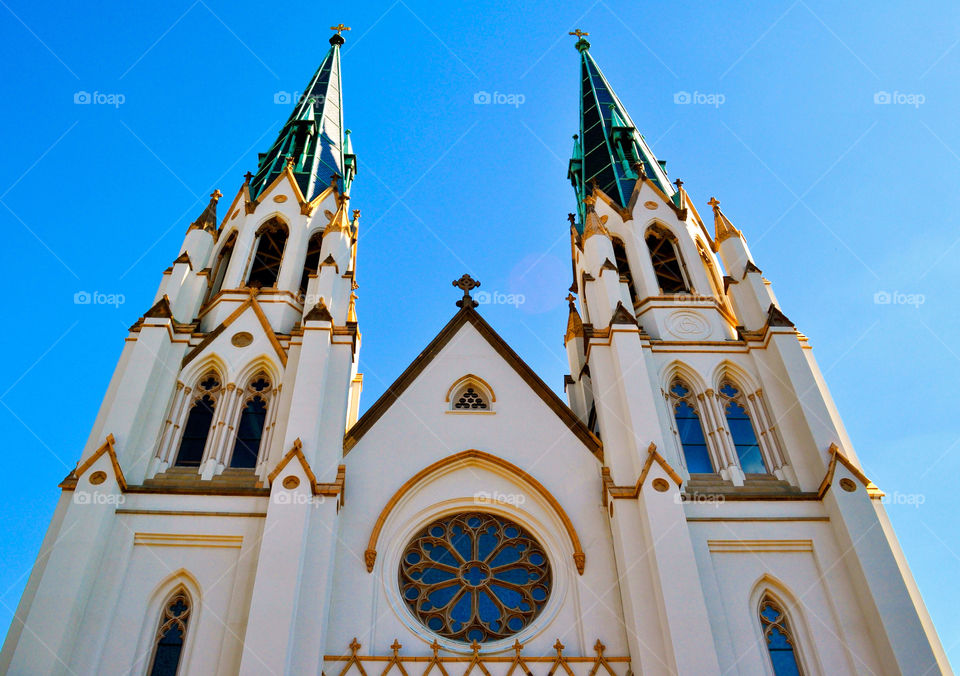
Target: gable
[(467, 344)]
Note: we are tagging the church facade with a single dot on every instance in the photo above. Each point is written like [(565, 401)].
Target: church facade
[(693, 507)]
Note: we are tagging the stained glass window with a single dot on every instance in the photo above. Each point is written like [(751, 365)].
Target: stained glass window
[(741, 431), (475, 577), (690, 430), (249, 433), (195, 432), (778, 638), (168, 643)]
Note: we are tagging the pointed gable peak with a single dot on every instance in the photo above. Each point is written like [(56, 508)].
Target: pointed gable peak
[(609, 150), (468, 315)]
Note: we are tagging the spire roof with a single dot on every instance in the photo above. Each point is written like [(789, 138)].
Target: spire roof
[(609, 147), (313, 136)]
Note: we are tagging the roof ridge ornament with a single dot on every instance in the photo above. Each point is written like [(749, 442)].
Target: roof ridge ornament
[(466, 283)]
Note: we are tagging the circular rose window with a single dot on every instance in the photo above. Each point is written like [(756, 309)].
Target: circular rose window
[(475, 576)]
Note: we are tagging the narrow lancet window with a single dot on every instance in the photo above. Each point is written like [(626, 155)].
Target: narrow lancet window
[(310, 263), (690, 429), (623, 268), (223, 262), (778, 638), (271, 241), (253, 418), (168, 642), (666, 262), (741, 431), (195, 432)]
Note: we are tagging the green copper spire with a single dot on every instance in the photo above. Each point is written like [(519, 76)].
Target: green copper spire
[(313, 137), (609, 150)]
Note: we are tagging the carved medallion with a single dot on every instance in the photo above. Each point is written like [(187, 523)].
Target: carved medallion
[(685, 325), (650, 205), (98, 478), (291, 482), (241, 339), (280, 199)]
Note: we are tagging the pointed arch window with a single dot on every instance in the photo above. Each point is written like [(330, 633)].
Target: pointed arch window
[(667, 265), (779, 639), (271, 241), (690, 429), (623, 268), (199, 421), (253, 418), (171, 632), (223, 262), (741, 430), (715, 283), (470, 394), (311, 262)]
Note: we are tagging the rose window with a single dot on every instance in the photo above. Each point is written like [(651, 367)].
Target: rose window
[(475, 577)]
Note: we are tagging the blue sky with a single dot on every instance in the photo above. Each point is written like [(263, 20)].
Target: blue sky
[(840, 197)]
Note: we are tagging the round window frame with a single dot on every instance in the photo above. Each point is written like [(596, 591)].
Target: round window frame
[(558, 555)]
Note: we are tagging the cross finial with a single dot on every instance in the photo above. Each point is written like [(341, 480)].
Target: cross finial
[(570, 298), (579, 33), (339, 28), (466, 283), (714, 202), (572, 218), (216, 194), (248, 176), (678, 183)]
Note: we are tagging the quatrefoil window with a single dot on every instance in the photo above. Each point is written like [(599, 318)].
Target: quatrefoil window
[(475, 577)]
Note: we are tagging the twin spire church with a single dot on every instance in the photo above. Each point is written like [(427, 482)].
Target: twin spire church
[(693, 506)]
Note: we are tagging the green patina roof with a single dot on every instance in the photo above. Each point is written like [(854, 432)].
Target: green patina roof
[(313, 136), (608, 144)]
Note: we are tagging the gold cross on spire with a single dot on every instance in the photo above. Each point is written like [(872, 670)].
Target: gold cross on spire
[(339, 28), (579, 33)]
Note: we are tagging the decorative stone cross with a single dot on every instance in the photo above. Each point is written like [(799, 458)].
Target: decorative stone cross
[(466, 284), (714, 202)]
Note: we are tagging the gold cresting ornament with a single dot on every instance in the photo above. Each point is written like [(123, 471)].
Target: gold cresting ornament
[(339, 28)]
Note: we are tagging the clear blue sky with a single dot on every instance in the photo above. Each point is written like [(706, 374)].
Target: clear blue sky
[(840, 198)]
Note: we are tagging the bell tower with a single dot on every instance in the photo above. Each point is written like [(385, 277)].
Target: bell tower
[(683, 363), (245, 365)]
